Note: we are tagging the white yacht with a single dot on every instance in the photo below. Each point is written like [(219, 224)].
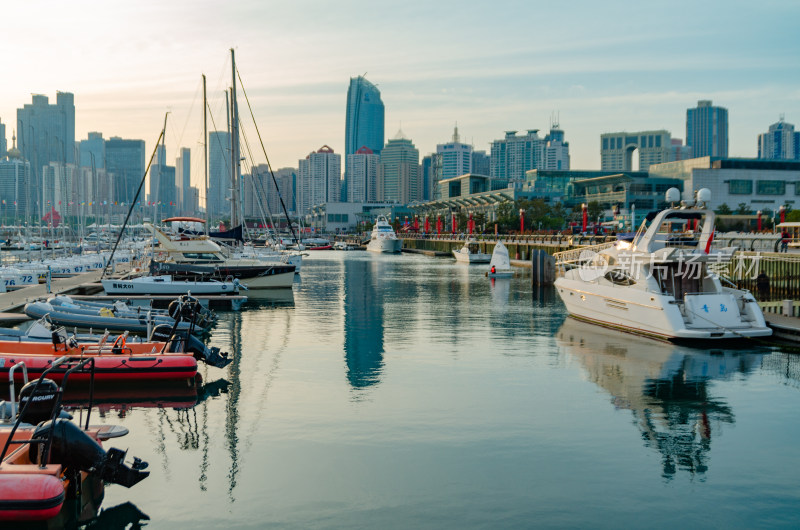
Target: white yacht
[(471, 253), (383, 237), (198, 257), (664, 283)]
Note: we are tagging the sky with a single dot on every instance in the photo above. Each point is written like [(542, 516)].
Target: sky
[(489, 67)]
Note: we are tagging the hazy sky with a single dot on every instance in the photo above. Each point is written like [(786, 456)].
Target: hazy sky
[(602, 66)]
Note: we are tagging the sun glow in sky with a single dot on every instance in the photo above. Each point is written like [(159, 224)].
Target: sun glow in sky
[(488, 66)]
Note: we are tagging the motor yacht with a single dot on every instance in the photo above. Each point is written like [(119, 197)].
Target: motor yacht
[(665, 283), (383, 237)]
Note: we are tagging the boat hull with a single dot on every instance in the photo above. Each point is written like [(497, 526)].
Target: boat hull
[(652, 315), (30, 496), (95, 321), (175, 288), (388, 246), (108, 367)]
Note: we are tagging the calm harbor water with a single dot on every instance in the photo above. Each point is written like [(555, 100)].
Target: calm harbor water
[(412, 392)]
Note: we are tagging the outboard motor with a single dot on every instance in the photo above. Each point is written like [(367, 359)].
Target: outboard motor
[(42, 402), (209, 355), (73, 448), (183, 342)]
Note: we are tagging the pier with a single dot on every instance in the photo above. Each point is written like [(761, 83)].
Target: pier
[(87, 286)]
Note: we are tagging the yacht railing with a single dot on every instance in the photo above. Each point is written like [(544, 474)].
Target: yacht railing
[(574, 255)]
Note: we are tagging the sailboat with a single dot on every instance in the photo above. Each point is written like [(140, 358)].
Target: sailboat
[(500, 265)]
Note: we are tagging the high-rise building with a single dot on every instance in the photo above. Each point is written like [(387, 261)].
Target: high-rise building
[(183, 179), (431, 168), (319, 179), (125, 165), (3, 144), (364, 120), (678, 151), (456, 157), (617, 148), (162, 183), (481, 163), (14, 176), (262, 198), (555, 151), (362, 179), (59, 190), (779, 142), (399, 175), (92, 151), (219, 175), (512, 156), (47, 132), (707, 130)]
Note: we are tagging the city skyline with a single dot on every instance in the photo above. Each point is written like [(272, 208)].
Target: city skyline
[(491, 68)]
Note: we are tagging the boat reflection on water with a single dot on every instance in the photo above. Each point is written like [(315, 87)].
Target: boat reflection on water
[(266, 297), (165, 394), (663, 385)]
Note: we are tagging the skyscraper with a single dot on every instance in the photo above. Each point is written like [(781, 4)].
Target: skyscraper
[(125, 164), (14, 175), (456, 157), (707, 130), (556, 150), (319, 179), (481, 163), (46, 133), (3, 144), (364, 119), (399, 175), (92, 151), (617, 148), (512, 156), (162, 183), (362, 180), (219, 175), (183, 179), (779, 142)]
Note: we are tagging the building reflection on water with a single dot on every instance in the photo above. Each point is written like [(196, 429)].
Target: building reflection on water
[(363, 323), (665, 386)]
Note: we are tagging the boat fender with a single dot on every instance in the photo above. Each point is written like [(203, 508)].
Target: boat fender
[(119, 344), (73, 448)]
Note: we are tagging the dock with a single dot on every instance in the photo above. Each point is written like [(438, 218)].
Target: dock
[(87, 286)]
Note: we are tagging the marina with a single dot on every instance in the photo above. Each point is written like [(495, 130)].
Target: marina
[(429, 395)]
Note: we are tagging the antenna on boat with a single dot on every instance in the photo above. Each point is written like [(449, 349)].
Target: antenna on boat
[(702, 197), (673, 195)]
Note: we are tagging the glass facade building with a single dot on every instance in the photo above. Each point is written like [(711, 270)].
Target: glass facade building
[(364, 120), (707, 130), (125, 163)]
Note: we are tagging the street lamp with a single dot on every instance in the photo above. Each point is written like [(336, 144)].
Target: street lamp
[(585, 213), (521, 220)]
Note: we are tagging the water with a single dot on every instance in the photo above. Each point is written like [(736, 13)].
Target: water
[(412, 392)]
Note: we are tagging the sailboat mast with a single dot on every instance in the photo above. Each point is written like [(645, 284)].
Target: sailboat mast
[(235, 158), (205, 148)]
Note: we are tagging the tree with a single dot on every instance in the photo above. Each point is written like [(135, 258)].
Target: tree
[(743, 209), (595, 210), (723, 209)]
